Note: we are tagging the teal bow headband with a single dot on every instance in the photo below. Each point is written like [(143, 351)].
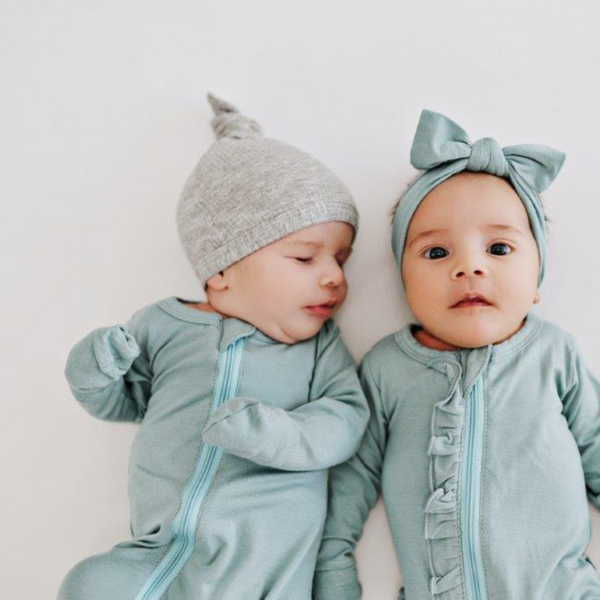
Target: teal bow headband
[(442, 149)]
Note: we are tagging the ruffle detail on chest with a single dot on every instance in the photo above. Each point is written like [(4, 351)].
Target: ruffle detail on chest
[(441, 510)]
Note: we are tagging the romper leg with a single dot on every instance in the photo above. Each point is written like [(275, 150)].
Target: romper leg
[(115, 575)]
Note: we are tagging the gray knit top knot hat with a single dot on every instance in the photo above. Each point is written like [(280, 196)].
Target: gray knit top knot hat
[(248, 191)]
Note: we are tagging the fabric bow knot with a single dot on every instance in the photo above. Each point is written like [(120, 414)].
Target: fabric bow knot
[(442, 148), (487, 155), (440, 140)]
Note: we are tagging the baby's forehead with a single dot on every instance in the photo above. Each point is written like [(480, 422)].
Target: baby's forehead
[(471, 201), (472, 184), (320, 235), (472, 196)]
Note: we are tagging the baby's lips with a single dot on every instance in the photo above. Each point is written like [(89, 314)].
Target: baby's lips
[(329, 305), (472, 297), (321, 310)]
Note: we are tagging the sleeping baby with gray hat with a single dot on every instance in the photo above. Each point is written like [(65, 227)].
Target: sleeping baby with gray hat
[(244, 400)]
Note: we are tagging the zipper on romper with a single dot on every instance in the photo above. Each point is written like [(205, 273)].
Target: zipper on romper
[(470, 493), (185, 523)]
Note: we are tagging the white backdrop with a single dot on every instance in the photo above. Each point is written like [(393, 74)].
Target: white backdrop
[(104, 115)]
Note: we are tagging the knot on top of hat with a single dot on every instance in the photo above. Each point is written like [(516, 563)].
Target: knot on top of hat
[(228, 122), (487, 155)]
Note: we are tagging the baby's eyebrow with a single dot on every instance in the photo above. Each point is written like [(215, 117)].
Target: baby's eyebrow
[(424, 234), (503, 227), (490, 226), (305, 244), (346, 250)]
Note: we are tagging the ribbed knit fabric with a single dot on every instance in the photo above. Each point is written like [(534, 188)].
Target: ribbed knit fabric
[(248, 191)]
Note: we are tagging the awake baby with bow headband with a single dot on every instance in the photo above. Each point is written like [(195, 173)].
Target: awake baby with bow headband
[(484, 434)]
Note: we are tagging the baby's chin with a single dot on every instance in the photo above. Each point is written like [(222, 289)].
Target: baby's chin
[(291, 327), (292, 331), (478, 337)]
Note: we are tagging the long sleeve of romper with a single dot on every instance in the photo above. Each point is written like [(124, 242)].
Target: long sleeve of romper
[(319, 434), (581, 404), (354, 488), (109, 374)]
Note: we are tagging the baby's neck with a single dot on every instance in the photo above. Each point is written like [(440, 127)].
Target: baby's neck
[(430, 341), (204, 307)]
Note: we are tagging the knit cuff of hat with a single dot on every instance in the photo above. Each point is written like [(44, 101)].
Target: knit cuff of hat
[(268, 232)]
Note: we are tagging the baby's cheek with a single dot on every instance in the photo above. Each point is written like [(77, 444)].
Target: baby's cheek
[(420, 298), (343, 294)]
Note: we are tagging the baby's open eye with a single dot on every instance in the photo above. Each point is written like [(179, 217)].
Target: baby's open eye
[(499, 249), (437, 252)]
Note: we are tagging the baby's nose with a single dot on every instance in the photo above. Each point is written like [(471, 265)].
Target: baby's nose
[(468, 270), (333, 277)]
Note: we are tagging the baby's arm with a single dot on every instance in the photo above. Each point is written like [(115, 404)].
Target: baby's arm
[(319, 434), (354, 488), (109, 375), (582, 410)]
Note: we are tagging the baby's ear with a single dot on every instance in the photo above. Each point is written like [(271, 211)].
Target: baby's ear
[(537, 297), (217, 282)]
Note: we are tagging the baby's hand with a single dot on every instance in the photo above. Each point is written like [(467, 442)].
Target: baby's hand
[(101, 357), (116, 349), (242, 426)]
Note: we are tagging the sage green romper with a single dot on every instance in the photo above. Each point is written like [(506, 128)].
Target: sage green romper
[(240, 513), (486, 458)]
